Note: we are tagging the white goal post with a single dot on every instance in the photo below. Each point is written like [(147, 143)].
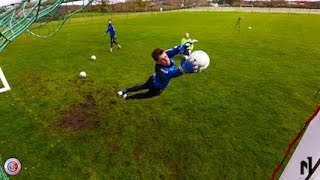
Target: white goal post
[(4, 81)]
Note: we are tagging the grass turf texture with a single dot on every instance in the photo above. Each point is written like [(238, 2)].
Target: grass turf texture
[(232, 121)]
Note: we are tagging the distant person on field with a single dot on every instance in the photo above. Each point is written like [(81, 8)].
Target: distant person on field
[(165, 70), (112, 31), (186, 37)]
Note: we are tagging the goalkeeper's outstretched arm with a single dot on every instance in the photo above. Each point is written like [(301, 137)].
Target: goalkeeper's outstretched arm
[(180, 49)]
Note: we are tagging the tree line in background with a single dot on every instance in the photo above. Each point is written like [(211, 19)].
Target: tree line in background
[(104, 6)]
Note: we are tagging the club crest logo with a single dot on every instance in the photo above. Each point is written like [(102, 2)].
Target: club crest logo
[(12, 166)]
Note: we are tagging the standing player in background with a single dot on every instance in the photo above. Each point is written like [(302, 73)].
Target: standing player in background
[(186, 37), (165, 70), (112, 31)]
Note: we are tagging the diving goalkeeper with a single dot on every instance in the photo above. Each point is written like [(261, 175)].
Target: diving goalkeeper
[(165, 70)]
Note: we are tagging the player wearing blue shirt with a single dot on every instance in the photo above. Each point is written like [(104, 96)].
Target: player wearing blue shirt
[(165, 70), (112, 31)]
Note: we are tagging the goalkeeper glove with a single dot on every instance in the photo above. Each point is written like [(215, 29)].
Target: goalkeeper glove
[(188, 67), (185, 47), (193, 41)]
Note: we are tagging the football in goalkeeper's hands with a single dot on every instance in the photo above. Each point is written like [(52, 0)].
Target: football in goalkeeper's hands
[(200, 58)]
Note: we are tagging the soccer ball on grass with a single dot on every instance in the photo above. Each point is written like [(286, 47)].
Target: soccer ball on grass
[(83, 74)]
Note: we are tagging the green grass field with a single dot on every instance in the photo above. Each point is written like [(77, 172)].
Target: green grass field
[(232, 121)]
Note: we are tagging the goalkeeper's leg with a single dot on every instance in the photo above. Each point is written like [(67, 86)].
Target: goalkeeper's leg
[(149, 94), (111, 43), (114, 41), (146, 85)]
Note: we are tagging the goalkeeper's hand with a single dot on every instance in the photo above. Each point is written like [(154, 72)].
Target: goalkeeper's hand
[(185, 47), (184, 59), (188, 67), (193, 41)]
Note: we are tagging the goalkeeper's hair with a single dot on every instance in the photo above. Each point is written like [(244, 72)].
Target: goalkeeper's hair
[(156, 53)]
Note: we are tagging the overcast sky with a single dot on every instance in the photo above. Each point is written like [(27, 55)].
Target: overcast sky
[(8, 2)]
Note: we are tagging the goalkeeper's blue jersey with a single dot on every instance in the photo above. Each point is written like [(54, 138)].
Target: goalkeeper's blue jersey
[(110, 29), (163, 74)]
